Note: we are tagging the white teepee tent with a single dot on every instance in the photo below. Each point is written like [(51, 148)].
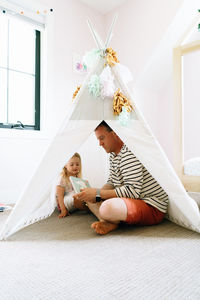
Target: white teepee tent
[(37, 201)]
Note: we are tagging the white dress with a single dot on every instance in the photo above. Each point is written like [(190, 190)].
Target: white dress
[(68, 195)]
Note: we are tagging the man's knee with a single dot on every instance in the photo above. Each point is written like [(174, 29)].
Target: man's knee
[(106, 209), (113, 209)]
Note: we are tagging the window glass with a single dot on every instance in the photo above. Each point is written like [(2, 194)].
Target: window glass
[(3, 96), (3, 41), (21, 47), (19, 81), (21, 98)]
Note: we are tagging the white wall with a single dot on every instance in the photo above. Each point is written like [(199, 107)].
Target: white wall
[(140, 26)]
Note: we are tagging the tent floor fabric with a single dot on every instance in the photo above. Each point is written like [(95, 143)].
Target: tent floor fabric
[(65, 259)]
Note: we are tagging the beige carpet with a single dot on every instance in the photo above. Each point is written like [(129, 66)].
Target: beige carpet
[(65, 259)]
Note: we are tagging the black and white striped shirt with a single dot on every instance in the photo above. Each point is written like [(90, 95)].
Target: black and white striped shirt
[(130, 179)]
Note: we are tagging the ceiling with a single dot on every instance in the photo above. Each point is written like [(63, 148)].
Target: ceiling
[(104, 6)]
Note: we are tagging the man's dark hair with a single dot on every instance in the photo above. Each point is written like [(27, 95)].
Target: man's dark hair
[(104, 124)]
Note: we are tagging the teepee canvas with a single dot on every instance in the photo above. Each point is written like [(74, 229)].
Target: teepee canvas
[(92, 104)]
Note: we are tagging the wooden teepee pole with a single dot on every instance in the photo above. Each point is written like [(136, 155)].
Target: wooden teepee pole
[(109, 35), (95, 35)]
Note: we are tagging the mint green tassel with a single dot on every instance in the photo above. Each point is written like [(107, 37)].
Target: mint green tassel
[(94, 86), (124, 117)]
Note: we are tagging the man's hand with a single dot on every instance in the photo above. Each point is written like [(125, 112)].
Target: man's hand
[(86, 195)]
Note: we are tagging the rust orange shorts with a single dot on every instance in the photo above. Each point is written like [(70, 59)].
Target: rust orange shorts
[(141, 213)]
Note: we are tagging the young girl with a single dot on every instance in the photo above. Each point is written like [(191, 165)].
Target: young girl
[(64, 190)]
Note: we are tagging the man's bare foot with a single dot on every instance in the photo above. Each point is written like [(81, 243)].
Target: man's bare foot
[(63, 214), (103, 227)]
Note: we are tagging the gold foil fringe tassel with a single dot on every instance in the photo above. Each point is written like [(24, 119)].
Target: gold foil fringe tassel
[(111, 57), (76, 92), (120, 100)]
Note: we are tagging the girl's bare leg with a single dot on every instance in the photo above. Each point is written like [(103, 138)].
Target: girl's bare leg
[(60, 198)]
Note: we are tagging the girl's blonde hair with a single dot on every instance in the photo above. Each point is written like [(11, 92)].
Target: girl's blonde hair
[(64, 172)]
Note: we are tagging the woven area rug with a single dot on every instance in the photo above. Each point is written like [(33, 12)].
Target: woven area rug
[(65, 259)]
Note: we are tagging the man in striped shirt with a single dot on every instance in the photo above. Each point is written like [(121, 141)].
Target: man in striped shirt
[(130, 195)]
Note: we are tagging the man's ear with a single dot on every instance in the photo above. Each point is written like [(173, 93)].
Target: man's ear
[(115, 136)]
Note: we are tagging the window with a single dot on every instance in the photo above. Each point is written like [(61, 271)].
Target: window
[(186, 90), (19, 74)]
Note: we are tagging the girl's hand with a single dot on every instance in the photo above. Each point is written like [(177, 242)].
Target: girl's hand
[(64, 213), (86, 195)]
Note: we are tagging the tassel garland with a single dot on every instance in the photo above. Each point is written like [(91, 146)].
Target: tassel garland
[(119, 101)]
